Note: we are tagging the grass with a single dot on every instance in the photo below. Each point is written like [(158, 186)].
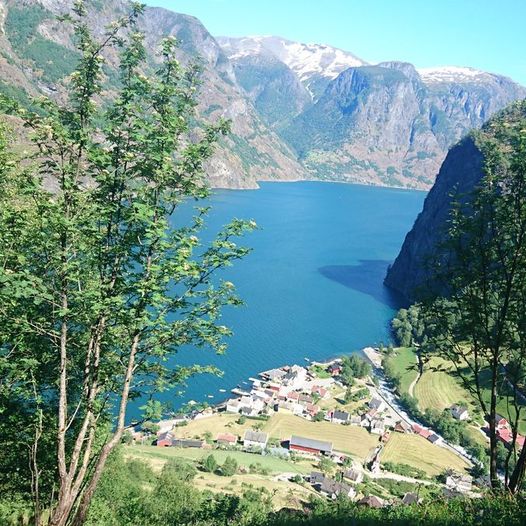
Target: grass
[(403, 363), (157, 456), (219, 423), (349, 439), (439, 389), (286, 493), (420, 453)]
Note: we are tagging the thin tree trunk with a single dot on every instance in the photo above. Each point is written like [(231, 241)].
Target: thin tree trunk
[(517, 477)]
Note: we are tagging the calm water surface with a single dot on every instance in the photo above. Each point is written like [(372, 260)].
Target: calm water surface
[(313, 283)]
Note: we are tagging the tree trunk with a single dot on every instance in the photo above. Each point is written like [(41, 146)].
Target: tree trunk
[(517, 477)]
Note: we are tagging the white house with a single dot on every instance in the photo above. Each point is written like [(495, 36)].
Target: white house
[(256, 439), (377, 404), (459, 413), (340, 417)]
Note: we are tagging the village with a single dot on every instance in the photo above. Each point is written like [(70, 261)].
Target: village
[(317, 396)]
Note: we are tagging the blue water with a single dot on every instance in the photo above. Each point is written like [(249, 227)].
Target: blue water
[(313, 283)]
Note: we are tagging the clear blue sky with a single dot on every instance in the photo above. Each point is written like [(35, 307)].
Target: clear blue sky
[(485, 34)]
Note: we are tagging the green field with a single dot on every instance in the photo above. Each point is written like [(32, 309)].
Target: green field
[(403, 364), (420, 453), (349, 439), (439, 389), (159, 455)]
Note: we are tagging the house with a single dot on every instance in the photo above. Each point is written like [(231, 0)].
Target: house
[(226, 439), (378, 426), (305, 399), (354, 475), (378, 404), (188, 443), (169, 424), (356, 420), (459, 413), (319, 391), (295, 377), (334, 369), (233, 405), (308, 445), (459, 482), (334, 489), (340, 417), (312, 410), (411, 498), (402, 427), (256, 439), (500, 421), (273, 375), (434, 438), (372, 501), (506, 437), (316, 477), (165, 439), (419, 430)]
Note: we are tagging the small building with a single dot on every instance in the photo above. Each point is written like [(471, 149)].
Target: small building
[(309, 445), (226, 439), (305, 399), (256, 439), (434, 438), (316, 477), (341, 417), (333, 489), (354, 475), (273, 375), (378, 404), (312, 410), (372, 501), (500, 421), (319, 391), (411, 498), (233, 405), (378, 426), (356, 420), (459, 482), (165, 439), (334, 369), (402, 427), (459, 413), (419, 430)]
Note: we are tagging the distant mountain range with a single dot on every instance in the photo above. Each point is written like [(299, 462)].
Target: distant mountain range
[(299, 111)]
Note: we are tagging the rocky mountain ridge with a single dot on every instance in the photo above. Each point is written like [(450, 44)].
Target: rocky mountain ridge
[(37, 54), (298, 111)]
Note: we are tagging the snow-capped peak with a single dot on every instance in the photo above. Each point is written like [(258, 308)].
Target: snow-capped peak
[(452, 74), (306, 60)]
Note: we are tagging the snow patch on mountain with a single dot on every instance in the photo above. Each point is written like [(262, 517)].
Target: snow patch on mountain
[(452, 74)]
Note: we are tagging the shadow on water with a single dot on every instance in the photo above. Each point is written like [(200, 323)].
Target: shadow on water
[(368, 278)]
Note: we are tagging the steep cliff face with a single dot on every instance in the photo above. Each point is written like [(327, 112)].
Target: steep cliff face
[(459, 175), (460, 172), (37, 54)]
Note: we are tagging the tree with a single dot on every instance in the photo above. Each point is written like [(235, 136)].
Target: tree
[(326, 465), (99, 287), (478, 320), (209, 464), (229, 467)]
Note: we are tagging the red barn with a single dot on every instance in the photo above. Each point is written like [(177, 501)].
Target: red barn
[(308, 445)]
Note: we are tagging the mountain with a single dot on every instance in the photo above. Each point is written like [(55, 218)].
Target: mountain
[(386, 124), (458, 176), (391, 125), (37, 54)]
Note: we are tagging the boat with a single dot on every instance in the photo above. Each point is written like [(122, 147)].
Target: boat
[(210, 396), (222, 390)]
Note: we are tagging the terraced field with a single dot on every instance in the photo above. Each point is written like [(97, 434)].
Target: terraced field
[(420, 453), (349, 439), (438, 388)]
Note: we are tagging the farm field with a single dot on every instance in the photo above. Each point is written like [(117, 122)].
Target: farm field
[(159, 456), (286, 493), (419, 453), (438, 388), (218, 423), (403, 363), (349, 439)]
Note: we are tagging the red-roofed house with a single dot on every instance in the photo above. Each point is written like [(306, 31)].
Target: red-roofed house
[(320, 391), (227, 439)]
